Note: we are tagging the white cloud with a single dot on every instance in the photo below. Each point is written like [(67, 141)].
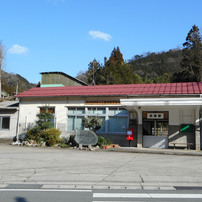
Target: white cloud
[(100, 35), (17, 49)]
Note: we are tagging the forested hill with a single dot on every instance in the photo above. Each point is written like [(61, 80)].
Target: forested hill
[(10, 82), (156, 67)]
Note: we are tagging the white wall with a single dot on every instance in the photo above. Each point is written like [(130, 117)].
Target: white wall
[(30, 108), (177, 114), (11, 132)]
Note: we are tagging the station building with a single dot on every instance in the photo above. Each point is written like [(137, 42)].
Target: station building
[(165, 115)]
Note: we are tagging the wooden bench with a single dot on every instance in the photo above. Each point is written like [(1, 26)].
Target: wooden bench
[(187, 145)]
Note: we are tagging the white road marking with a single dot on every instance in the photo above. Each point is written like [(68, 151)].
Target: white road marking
[(44, 190), (146, 195)]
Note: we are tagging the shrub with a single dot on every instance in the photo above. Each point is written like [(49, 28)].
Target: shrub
[(72, 141), (51, 136), (34, 134), (93, 123), (102, 141)]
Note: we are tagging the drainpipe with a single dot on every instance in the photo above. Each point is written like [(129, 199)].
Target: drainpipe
[(17, 127)]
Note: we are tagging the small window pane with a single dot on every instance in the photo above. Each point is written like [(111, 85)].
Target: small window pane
[(102, 129), (112, 126), (52, 121), (79, 125), (100, 111), (47, 109), (5, 122), (122, 124), (71, 110), (113, 111), (51, 110), (91, 111), (71, 120), (162, 128), (80, 111), (123, 111)]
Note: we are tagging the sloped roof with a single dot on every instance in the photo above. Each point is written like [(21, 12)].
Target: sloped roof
[(9, 104), (68, 76), (117, 90)]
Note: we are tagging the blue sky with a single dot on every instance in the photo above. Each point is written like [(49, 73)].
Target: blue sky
[(66, 35)]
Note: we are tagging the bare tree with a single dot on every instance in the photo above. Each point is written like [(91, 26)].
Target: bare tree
[(2, 61)]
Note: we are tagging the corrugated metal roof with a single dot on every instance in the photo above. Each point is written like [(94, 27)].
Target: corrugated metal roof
[(117, 90), (66, 75)]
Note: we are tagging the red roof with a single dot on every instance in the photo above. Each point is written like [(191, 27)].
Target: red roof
[(117, 90)]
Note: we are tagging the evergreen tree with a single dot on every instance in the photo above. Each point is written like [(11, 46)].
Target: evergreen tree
[(95, 73), (191, 63), (116, 71)]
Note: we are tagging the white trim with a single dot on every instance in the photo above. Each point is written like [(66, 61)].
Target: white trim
[(162, 102), (147, 195)]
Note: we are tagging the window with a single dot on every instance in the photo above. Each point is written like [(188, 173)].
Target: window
[(75, 117), (115, 119), (118, 120), (155, 124), (4, 123), (98, 112), (50, 110)]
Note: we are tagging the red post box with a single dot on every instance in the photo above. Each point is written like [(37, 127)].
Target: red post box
[(130, 134)]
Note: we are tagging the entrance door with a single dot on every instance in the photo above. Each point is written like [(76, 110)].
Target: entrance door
[(155, 134)]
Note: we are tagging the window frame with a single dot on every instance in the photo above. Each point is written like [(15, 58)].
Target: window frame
[(76, 116), (49, 110), (104, 115), (1, 122)]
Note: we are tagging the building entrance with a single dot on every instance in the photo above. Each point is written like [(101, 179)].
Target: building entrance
[(155, 129)]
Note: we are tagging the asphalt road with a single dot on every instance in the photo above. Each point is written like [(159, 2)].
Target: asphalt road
[(61, 195), (51, 168)]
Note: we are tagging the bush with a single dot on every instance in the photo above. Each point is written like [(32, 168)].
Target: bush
[(93, 123), (51, 136), (72, 141), (34, 134), (102, 141)]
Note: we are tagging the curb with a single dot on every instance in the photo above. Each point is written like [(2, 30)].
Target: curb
[(157, 151)]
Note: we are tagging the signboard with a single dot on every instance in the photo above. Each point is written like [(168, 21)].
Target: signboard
[(130, 134), (155, 116), (187, 128)]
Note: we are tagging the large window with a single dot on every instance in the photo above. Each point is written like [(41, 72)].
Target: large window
[(115, 119), (4, 123)]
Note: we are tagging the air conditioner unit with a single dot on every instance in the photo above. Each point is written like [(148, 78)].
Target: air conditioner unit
[(155, 115)]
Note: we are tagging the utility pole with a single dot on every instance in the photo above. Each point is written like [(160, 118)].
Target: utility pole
[(93, 82), (16, 92)]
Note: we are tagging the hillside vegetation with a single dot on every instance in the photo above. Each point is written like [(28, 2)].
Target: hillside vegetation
[(10, 82), (156, 67), (175, 65)]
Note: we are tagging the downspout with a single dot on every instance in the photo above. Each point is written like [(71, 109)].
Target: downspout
[(18, 125)]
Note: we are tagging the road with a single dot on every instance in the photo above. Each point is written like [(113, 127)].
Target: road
[(67, 169), (62, 195)]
